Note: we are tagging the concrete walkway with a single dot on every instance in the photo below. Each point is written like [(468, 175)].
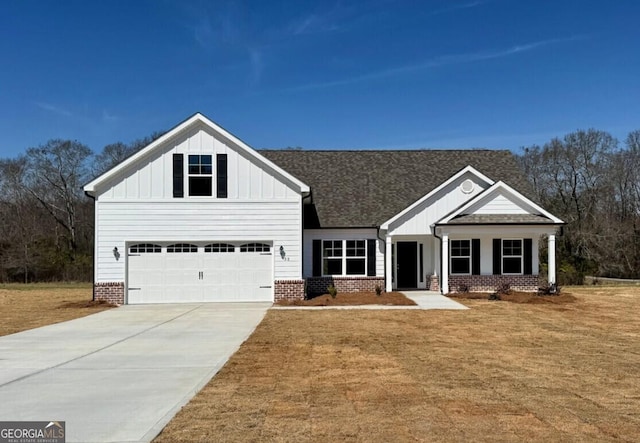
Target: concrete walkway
[(120, 375), (424, 300), (433, 300)]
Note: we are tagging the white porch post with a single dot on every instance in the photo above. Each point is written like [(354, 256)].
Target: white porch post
[(551, 258), (444, 278), (388, 265)]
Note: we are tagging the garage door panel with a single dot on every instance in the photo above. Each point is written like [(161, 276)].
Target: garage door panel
[(193, 277)]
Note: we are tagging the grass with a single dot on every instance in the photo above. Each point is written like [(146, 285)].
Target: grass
[(498, 372), (352, 299), (28, 306)]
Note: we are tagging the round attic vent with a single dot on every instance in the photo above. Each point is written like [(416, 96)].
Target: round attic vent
[(466, 186)]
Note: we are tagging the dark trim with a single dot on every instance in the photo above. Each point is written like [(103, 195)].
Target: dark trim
[(497, 256), (178, 175), (527, 256), (221, 176), (421, 261), (475, 256), (317, 258), (371, 258)]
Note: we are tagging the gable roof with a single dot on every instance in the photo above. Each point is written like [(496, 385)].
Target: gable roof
[(182, 128), (453, 178), (367, 188), (515, 196)]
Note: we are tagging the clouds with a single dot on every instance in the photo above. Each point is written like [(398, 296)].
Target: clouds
[(53, 109), (438, 61)]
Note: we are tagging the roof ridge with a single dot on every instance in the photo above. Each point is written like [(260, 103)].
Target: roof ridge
[(388, 150)]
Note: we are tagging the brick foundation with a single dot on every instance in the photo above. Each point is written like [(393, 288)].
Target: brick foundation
[(319, 285), (433, 283), (111, 292), (288, 290), (489, 283)]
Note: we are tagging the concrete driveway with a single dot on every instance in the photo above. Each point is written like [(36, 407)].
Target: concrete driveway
[(120, 375)]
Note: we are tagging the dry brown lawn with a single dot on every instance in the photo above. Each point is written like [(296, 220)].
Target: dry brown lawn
[(498, 372), (30, 306)]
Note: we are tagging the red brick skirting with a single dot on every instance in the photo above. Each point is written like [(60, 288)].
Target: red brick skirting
[(490, 283), (319, 285), (112, 292), (288, 290), (434, 283)]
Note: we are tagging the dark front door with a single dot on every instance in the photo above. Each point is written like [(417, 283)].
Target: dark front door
[(406, 269)]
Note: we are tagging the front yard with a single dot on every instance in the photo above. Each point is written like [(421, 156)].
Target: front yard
[(30, 306), (500, 371)]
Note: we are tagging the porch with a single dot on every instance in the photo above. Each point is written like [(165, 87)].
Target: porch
[(459, 258)]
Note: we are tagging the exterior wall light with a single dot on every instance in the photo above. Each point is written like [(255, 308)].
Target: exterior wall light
[(116, 254)]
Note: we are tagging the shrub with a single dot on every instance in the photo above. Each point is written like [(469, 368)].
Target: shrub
[(378, 290), (549, 289), (494, 296), (333, 292), (463, 289), (503, 289)]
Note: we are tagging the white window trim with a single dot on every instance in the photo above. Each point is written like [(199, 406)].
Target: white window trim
[(521, 256), (344, 257), (189, 175), (451, 257)]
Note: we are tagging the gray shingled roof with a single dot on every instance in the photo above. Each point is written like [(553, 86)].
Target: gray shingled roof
[(500, 219), (366, 188)]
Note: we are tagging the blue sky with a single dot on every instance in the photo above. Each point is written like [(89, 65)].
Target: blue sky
[(320, 74)]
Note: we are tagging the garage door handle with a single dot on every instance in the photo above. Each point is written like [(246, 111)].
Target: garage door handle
[(264, 287), (265, 253), (134, 289), (133, 255)]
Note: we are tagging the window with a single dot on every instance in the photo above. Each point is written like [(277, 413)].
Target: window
[(332, 257), (461, 256), (182, 247), (219, 247), (200, 175), (512, 256), (144, 248), (344, 257), (255, 247), (356, 257)]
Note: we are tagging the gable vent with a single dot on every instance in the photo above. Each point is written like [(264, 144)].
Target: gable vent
[(467, 186)]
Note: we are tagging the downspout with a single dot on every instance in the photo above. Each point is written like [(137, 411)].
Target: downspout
[(384, 242), (93, 252)]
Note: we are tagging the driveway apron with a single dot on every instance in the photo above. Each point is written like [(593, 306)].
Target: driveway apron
[(120, 375)]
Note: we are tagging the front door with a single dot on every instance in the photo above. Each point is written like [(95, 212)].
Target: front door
[(407, 264)]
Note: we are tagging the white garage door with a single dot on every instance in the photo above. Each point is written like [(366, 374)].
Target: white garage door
[(192, 273)]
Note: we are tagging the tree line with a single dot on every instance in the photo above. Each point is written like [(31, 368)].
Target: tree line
[(587, 178), (46, 221)]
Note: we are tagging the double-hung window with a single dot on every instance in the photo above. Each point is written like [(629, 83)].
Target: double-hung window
[(356, 257), (511, 256), (332, 257), (344, 257), (200, 175), (460, 256)]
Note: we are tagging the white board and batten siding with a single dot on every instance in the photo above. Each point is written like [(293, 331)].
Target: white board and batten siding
[(137, 206), (153, 179), (418, 220), (309, 235)]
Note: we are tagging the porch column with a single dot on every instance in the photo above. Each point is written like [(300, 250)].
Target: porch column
[(551, 258), (444, 278), (388, 268)]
